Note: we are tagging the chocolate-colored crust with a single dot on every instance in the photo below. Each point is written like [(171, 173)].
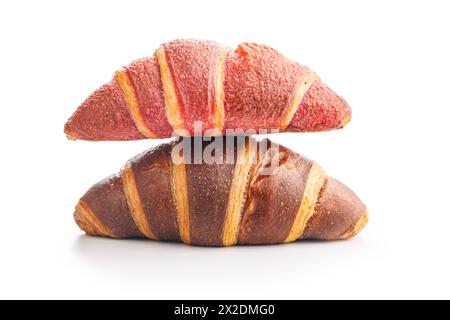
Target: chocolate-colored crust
[(152, 175), (337, 213), (273, 200), (208, 187), (270, 205), (108, 203)]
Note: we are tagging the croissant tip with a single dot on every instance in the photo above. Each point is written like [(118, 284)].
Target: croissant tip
[(360, 225), (83, 224), (345, 120), (69, 132), (70, 135)]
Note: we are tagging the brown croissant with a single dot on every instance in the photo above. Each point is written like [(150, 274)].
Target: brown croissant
[(186, 81), (253, 193)]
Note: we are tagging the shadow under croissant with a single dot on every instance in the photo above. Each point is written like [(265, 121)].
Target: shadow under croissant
[(154, 261)]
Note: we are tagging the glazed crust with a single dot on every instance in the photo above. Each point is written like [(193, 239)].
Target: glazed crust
[(208, 187), (267, 203), (263, 223), (338, 207), (253, 87), (108, 203), (320, 110), (152, 174), (103, 116), (249, 72), (146, 79), (193, 66)]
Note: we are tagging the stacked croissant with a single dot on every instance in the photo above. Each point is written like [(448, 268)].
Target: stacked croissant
[(240, 190)]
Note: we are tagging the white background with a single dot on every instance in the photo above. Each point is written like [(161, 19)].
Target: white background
[(390, 60)]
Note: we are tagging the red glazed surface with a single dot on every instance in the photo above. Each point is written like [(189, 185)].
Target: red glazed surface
[(146, 80), (192, 64), (320, 110), (259, 85), (103, 116)]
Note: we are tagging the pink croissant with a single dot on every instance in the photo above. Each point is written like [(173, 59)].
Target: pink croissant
[(188, 81)]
